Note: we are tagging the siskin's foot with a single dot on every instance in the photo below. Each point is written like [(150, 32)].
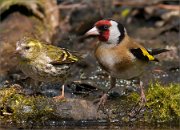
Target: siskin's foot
[(61, 97)]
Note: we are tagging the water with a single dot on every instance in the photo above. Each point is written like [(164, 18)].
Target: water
[(101, 128)]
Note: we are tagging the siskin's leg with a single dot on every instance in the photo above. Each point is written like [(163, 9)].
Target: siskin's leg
[(60, 97)]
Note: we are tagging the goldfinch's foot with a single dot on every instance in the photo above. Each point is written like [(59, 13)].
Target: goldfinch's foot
[(101, 101), (143, 98)]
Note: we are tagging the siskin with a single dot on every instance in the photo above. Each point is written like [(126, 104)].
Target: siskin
[(43, 62)]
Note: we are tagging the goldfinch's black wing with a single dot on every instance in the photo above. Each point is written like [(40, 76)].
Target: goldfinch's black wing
[(143, 55)]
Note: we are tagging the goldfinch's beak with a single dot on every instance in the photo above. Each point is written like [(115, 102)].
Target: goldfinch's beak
[(92, 32)]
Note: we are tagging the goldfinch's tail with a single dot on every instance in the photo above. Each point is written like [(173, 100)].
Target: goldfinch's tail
[(147, 54), (156, 51)]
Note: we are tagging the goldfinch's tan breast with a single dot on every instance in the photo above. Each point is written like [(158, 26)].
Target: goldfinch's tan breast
[(118, 61), (114, 58)]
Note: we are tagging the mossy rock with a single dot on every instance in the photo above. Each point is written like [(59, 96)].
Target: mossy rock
[(25, 111), (163, 101), (163, 105)]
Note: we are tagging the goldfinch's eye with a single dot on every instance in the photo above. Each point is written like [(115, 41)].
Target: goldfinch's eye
[(105, 27)]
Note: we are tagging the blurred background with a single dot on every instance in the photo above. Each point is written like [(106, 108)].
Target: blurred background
[(63, 23)]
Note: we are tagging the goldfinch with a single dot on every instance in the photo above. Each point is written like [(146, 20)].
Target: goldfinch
[(118, 54), (43, 62)]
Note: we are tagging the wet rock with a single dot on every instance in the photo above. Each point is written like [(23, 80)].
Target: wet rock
[(23, 110), (78, 109)]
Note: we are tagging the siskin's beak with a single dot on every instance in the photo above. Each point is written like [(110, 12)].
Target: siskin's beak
[(92, 32), (17, 51)]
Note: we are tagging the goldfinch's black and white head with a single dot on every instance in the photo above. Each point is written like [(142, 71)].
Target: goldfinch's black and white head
[(108, 31)]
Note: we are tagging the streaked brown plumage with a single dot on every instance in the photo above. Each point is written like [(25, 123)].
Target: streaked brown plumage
[(43, 62)]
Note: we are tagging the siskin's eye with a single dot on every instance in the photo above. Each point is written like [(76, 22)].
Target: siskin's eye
[(27, 48)]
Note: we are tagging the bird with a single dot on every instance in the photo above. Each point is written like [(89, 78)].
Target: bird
[(43, 62), (119, 54)]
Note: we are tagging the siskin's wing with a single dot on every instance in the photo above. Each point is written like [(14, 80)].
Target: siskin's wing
[(60, 55)]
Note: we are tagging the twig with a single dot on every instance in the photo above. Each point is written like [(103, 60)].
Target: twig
[(135, 4), (168, 7), (140, 4), (72, 6), (68, 6)]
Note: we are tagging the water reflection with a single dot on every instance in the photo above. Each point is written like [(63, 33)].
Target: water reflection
[(100, 128)]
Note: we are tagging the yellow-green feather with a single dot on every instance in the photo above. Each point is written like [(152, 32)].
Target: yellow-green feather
[(60, 55)]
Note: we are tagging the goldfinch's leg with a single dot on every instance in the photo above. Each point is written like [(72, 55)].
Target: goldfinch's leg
[(112, 82), (138, 107), (60, 97), (143, 97), (104, 98)]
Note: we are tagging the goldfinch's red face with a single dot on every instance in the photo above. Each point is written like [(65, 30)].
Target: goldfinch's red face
[(103, 29), (108, 31)]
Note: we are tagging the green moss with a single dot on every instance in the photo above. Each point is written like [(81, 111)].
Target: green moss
[(22, 110), (163, 103)]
